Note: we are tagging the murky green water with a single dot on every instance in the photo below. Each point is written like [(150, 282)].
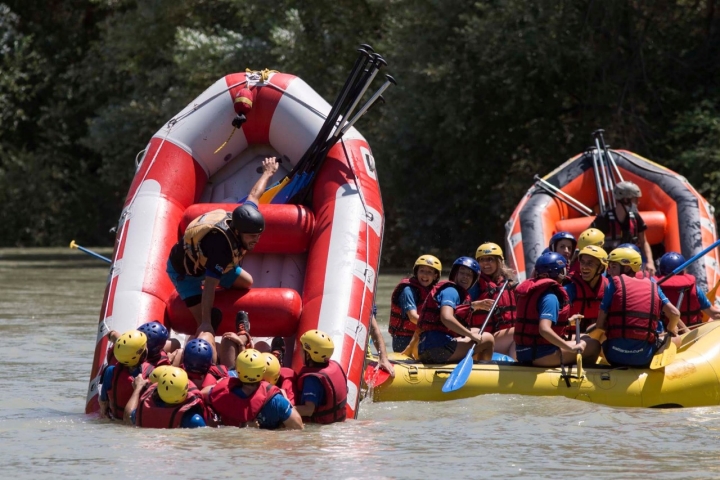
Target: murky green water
[(49, 304)]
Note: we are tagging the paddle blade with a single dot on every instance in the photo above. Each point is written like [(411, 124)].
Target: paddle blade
[(270, 193), (460, 375), (375, 376), (664, 358)]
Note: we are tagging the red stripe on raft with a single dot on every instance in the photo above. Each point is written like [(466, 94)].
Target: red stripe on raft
[(257, 127)]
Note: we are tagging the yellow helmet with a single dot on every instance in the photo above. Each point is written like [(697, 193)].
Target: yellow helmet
[(626, 257), (157, 373), (318, 344), (591, 236), (173, 385), (489, 248), (428, 261), (129, 348), (272, 371), (250, 365), (597, 252)]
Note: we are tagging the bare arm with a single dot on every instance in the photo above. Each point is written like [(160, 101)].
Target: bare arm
[(269, 166), (713, 312), (673, 316), (139, 384), (447, 317), (208, 299), (379, 342), (305, 410), (645, 245), (549, 334), (294, 422)]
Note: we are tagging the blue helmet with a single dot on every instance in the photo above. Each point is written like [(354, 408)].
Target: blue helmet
[(630, 245), (156, 334), (562, 236), (468, 262), (669, 262), (551, 264), (197, 357)]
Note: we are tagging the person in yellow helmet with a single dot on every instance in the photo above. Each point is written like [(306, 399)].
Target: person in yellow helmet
[(587, 287), (322, 383), (591, 236), (407, 296), (493, 274), (130, 355), (249, 401), (630, 313), (168, 399), (282, 377)]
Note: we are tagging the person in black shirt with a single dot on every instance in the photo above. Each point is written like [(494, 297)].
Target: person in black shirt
[(212, 250), (623, 224)]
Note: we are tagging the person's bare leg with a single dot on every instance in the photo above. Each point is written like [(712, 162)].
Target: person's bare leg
[(504, 340)]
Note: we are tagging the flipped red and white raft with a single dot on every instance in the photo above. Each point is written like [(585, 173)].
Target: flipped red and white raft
[(314, 266)]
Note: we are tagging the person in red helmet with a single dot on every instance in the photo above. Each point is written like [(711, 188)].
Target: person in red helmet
[(212, 249)]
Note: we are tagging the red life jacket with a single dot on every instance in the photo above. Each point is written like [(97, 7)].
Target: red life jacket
[(233, 409), (587, 300), (690, 312), (334, 382), (159, 360), (574, 269), (635, 309), (122, 388), (287, 382), (504, 315), (214, 373), (616, 235), (152, 412), (400, 324), (430, 310), (527, 323)]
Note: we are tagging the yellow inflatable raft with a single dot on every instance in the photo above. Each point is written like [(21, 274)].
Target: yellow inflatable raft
[(691, 380)]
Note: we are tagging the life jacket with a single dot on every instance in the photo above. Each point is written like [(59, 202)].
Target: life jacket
[(287, 382), (527, 323), (152, 412), (334, 382), (635, 309), (430, 310), (504, 315), (211, 377), (587, 300), (400, 324), (159, 360), (690, 312), (574, 269), (235, 410), (616, 235), (122, 388), (218, 220)]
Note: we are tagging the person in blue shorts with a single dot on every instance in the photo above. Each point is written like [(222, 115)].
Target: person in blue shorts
[(543, 314), (212, 249), (630, 313)]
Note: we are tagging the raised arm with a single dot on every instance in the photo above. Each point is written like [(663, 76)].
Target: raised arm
[(269, 167)]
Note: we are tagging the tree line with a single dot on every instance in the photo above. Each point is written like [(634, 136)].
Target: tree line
[(489, 93)]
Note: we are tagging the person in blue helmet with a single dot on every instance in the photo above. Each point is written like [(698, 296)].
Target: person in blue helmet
[(445, 337), (694, 302), (563, 243), (197, 361), (543, 313)]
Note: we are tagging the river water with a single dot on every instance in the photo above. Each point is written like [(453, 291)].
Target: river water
[(49, 304)]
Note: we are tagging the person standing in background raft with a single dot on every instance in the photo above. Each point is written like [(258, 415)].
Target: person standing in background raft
[(445, 336), (591, 236), (493, 273), (694, 302), (623, 224), (212, 250), (586, 289), (408, 295)]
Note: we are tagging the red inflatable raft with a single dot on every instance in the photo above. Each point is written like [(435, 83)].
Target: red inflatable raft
[(315, 264)]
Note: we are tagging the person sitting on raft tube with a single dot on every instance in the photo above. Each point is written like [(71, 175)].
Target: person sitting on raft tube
[(212, 250), (282, 377), (445, 336), (248, 400), (168, 400), (543, 313), (197, 361), (694, 302), (408, 295), (623, 224), (130, 351), (591, 236), (493, 273), (630, 313), (321, 383), (586, 289)]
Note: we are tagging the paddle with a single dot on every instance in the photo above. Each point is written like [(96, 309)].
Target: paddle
[(711, 295), (667, 352), (578, 360), (89, 252), (684, 265), (461, 373), (375, 376)]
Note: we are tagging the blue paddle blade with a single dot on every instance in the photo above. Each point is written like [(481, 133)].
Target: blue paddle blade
[(288, 190), (460, 375)]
